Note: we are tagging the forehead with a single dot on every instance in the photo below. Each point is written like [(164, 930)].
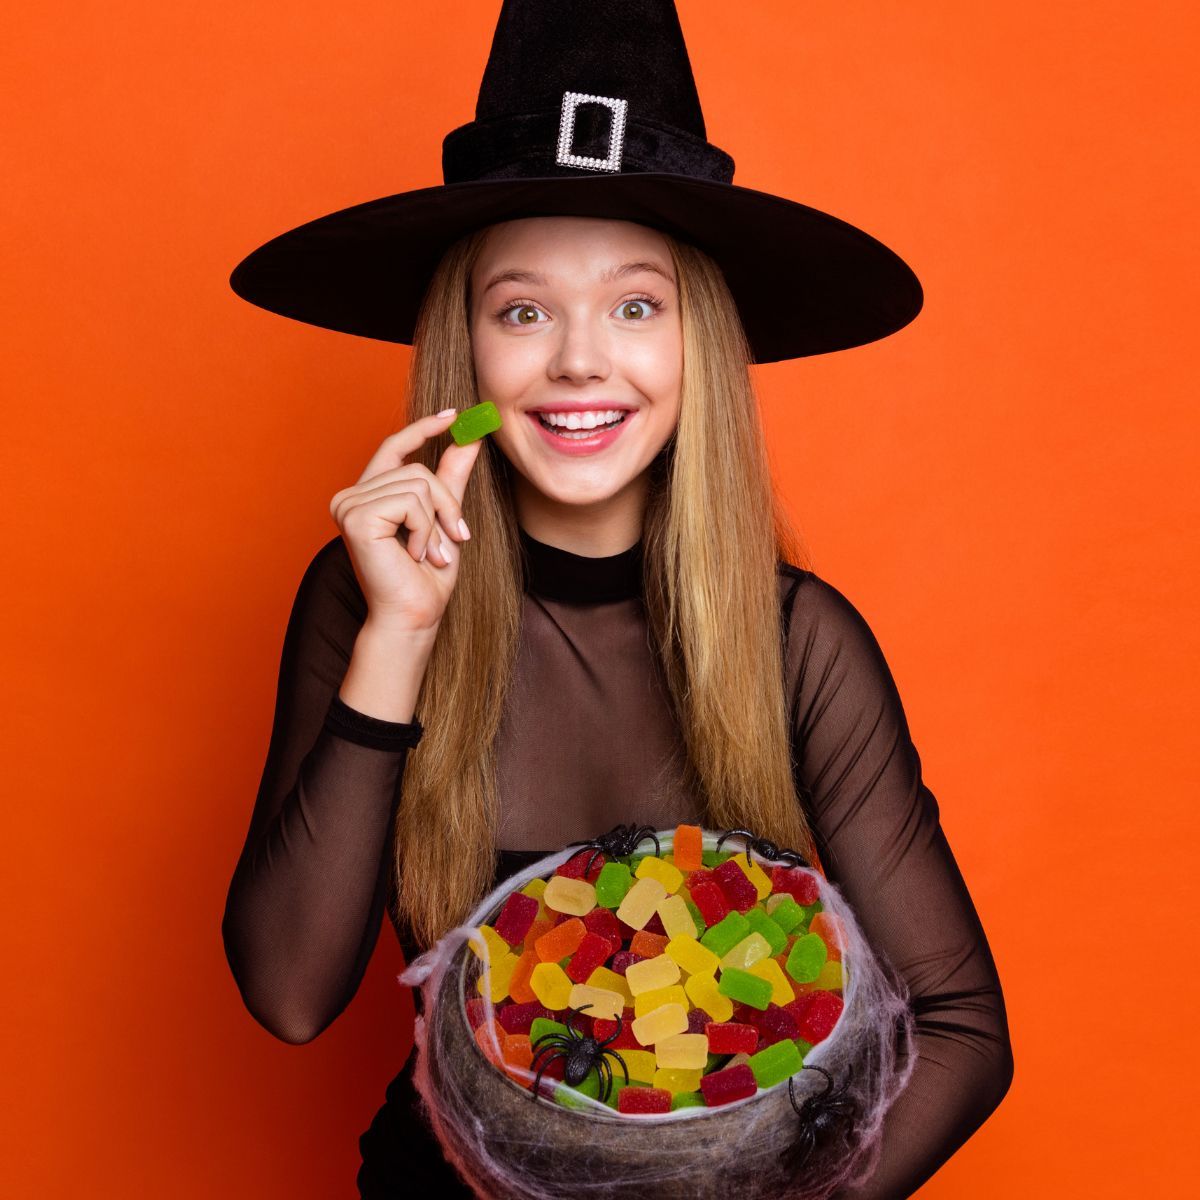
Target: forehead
[(569, 250)]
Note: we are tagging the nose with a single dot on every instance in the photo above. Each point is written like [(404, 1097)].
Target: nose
[(580, 352)]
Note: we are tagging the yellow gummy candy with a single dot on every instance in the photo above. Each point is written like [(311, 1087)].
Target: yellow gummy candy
[(497, 946), (769, 969), (756, 875), (663, 1022), (551, 985), (640, 1064), (600, 1001), (602, 977), (669, 875), (704, 992), (534, 888), (829, 976), (640, 902), (497, 976), (651, 973), (675, 1080), (575, 897), (676, 917), (647, 1002), (747, 952), (694, 958), (686, 1051)]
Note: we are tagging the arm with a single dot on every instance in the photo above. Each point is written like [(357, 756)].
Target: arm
[(880, 839), (305, 902)]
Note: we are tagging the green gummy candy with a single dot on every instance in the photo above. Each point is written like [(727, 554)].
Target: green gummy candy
[(726, 934), (807, 957), (541, 1026), (473, 423), (618, 1085), (614, 880), (787, 914), (714, 858), (774, 1064), (713, 1060), (590, 1085), (760, 923), (749, 989), (697, 916), (688, 1100), (803, 1046)]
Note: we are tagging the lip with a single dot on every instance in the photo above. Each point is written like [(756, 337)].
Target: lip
[(575, 446)]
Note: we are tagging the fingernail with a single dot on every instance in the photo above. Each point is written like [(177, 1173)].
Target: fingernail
[(446, 551), (462, 528), (424, 553), (447, 411)]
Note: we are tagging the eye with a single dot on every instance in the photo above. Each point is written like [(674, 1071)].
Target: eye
[(643, 308)]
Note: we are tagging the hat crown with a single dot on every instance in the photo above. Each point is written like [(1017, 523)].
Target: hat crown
[(577, 87), (626, 49)]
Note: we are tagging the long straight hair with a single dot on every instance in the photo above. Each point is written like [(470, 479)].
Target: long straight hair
[(711, 600)]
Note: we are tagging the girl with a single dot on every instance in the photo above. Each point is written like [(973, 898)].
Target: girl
[(599, 610)]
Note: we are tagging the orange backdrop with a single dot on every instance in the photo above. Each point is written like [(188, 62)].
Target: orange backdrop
[(1001, 488)]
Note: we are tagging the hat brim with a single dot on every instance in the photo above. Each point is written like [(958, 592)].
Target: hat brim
[(804, 282)]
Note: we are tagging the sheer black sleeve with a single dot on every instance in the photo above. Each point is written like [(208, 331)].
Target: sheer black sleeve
[(879, 834), (306, 900)]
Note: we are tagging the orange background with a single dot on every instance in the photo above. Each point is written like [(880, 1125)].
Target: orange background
[(1005, 489)]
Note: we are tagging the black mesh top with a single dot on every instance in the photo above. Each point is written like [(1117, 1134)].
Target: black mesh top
[(307, 897)]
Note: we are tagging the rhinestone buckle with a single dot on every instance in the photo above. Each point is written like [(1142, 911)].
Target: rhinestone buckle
[(566, 132)]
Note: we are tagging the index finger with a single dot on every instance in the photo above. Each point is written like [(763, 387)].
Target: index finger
[(397, 446)]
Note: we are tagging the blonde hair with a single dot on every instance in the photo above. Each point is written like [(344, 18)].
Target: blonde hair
[(711, 600)]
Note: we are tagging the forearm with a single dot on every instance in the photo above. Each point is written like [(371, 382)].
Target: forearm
[(307, 896)]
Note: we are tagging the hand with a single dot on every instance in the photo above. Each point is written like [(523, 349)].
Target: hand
[(407, 584)]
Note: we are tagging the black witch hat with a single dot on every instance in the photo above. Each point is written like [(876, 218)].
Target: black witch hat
[(589, 108)]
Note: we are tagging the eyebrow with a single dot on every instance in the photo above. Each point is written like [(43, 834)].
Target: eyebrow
[(515, 275)]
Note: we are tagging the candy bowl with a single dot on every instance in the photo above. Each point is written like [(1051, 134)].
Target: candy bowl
[(762, 1038)]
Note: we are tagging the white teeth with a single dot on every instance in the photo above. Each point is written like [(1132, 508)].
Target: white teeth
[(583, 420)]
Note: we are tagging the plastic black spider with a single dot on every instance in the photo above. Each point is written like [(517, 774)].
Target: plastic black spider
[(823, 1115), (582, 1054), (620, 842), (765, 849)]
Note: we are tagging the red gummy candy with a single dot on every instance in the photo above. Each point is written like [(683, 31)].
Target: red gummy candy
[(602, 1030), (623, 960), (710, 900), (820, 1016), (655, 925), (723, 1087), (727, 1037), (517, 1018), (646, 1099), (476, 1011), (739, 891), (573, 867), (516, 917), (590, 954), (796, 882), (604, 922), (777, 1024), (699, 875)]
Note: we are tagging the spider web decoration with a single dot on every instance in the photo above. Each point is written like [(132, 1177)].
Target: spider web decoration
[(803, 1139)]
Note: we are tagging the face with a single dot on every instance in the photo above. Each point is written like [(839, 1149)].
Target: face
[(569, 317)]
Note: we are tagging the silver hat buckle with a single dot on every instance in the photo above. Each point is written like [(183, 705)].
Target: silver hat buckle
[(566, 132)]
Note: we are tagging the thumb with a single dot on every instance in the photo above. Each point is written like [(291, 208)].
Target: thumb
[(455, 466)]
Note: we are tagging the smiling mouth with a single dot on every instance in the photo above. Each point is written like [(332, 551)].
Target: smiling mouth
[(578, 435)]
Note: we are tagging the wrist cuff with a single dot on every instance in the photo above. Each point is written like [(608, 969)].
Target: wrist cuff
[(349, 723)]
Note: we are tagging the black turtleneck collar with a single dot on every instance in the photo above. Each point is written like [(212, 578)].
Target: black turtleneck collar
[(576, 579)]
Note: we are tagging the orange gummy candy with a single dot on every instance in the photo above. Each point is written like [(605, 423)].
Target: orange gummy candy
[(518, 985), (561, 941), (648, 945), (687, 848)]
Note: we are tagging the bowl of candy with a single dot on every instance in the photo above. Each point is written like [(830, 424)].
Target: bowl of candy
[(660, 1013)]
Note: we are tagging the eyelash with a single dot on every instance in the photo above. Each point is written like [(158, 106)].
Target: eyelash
[(655, 304)]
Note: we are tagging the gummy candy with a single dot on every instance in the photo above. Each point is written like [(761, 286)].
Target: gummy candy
[(475, 422)]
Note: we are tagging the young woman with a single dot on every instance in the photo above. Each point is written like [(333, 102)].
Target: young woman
[(602, 616)]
